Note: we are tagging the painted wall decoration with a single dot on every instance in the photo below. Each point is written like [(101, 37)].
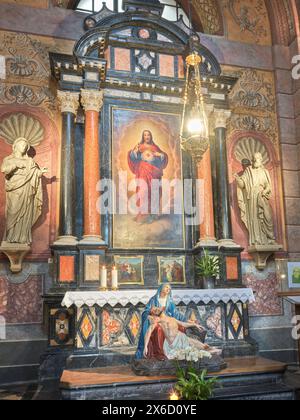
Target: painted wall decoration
[(145, 147), (247, 21), (131, 269), (172, 270), (253, 103), (210, 16)]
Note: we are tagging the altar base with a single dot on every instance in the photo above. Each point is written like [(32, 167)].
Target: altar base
[(168, 367), (244, 379), (98, 329)]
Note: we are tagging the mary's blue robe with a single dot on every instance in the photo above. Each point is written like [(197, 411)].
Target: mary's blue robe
[(170, 310)]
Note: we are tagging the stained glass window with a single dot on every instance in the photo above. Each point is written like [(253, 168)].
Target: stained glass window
[(172, 10)]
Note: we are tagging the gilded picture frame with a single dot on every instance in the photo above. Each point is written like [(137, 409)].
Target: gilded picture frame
[(172, 270), (131, 269)]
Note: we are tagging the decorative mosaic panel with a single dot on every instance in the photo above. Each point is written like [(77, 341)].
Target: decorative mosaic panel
[(92, 268), (235, 324), (247, 21), (66, 269), (209, 317), (122, 59), (120, 326), (61, 327), (86, 328), (232, 268), (112, 327)]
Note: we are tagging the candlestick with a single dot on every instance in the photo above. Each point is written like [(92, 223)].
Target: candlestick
[(114, 279), (104, 279)]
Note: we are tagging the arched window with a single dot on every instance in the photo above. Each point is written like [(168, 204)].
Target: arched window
[(172, 10)]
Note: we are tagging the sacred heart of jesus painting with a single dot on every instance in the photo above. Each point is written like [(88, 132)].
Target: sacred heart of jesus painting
[(147, 174)]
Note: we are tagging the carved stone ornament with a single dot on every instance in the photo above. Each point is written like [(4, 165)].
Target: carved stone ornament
[(22, 126), (92, 100), (261, 254), (247, 147), (69, 101), (221, 117), (16, 254)]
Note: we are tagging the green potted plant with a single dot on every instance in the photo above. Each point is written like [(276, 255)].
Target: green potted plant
[(194, 386), (208, 268)]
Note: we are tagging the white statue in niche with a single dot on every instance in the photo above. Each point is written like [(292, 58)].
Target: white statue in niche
[(24, 196), (254, 192), (23, 186)]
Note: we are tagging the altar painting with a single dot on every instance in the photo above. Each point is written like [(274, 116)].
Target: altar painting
[(146, 149)]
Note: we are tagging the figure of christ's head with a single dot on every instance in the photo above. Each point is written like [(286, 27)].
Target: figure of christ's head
[(147, 138), (156, 312), (165, 291), (21, 146), (258, 161)]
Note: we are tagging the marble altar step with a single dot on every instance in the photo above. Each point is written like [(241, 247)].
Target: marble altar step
[(245, 378)]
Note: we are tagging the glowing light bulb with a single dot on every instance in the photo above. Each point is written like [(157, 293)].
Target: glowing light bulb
[(195, 126)]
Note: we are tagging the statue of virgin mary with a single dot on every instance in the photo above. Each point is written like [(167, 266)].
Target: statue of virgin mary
[(24, 198), (163, 299)]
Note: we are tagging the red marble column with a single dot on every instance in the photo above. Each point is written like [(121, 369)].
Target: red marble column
[(207, 228), (92, 102)]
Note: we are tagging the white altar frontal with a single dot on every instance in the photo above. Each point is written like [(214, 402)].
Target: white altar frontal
[(108, 321)]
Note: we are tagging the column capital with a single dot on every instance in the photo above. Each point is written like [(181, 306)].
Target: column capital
[(68, 101), (220, 118), (92, 100)]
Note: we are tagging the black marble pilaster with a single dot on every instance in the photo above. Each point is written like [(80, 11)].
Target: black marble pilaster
[(214, 182), (223, 205), (67, 192)]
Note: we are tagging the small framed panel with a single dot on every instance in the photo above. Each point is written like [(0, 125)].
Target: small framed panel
[(131, 270), (66, 268), (91, 261), (172, 270)]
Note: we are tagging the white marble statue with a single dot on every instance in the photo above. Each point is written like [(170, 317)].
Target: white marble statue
[(254, 194), (24, 197)]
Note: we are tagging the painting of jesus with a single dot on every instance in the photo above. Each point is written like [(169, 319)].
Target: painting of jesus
[(147, 161), (146, 152)]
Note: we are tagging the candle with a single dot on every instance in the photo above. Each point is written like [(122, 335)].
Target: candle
[(174, 396), (114, 279), (104, 278)]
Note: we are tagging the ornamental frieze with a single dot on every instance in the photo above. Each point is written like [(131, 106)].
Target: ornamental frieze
[(253, 103), (27, 57), (28, 95)]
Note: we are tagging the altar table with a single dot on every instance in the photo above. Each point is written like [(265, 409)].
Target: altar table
[(112, 319)]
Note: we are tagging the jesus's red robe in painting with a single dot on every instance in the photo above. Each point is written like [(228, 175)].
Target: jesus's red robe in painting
[(147, 161)]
